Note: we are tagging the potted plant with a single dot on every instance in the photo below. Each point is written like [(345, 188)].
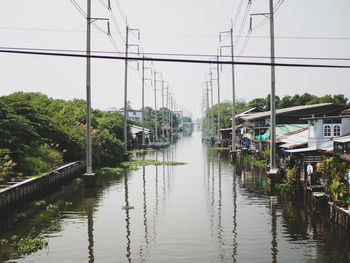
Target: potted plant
[(336, 190)]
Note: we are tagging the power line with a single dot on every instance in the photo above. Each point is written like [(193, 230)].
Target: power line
[(175, 60), (243, 21), (178, 54), (238, 12), (170, 34)]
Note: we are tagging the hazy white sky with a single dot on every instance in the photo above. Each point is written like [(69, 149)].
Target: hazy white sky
[(313, 28)]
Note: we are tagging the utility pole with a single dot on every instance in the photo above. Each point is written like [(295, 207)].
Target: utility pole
[(212, 107), (88, 92), (272, 96), (233, 95), (143, 102), (218, 81), (163, 111), (168, 107), (155, 108), (143, 99), (230, 32), (126, 87), (208, 107), (125, 93)]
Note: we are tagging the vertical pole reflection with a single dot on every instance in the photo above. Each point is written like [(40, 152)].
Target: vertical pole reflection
[(234, 231), (90, 229), (220, 212), (156, 205), (164, 178), (144, 203), (274, 250), (127, 217)]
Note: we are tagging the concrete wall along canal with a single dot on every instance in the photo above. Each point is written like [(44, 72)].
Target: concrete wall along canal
[(14, 193)]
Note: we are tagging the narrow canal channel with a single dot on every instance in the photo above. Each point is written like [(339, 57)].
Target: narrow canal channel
[(205, 211)]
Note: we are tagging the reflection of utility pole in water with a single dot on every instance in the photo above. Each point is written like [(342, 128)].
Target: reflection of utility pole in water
[(234, 231), (164, 191), (144, 209), (274, 250), (221, 243), (156, 205), (127, 217), (90, 194)]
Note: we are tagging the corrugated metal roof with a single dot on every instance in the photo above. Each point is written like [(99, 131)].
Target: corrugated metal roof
[(294, 140), (284, 111), (342, 139)]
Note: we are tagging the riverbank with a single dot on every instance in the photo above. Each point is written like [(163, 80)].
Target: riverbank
[(14, 193)]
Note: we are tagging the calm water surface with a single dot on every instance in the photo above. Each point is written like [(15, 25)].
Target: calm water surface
[(206, 211)]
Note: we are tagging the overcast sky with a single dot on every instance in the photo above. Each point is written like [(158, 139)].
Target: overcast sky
[(313, 28)]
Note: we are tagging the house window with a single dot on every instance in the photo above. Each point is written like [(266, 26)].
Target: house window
[(327, 132), (336, 130)]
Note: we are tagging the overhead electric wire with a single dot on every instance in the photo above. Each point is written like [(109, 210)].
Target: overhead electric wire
[(81, 11), (99, 28), (237, 13), (178, 54), (243, 22), (116, 25), (121, 12), (277, 6), (245, 44), (174, 60)]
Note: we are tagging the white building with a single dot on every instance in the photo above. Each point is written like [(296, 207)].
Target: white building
[(135, 115)]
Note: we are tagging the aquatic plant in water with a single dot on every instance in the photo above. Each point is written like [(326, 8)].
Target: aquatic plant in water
[(26, 245), (134, 164), (110, 171), (127, 207), (54, 227), (40, 203)]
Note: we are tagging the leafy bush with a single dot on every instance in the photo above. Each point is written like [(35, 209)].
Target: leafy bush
[(291, 174)]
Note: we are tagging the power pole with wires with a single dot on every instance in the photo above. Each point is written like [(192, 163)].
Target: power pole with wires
[(272, 98), (88, 93), (230, 32), (126, 88), (143, 99), (218, 84)]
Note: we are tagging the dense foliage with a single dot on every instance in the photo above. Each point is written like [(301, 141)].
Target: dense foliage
[(162, 116), (39, 133)]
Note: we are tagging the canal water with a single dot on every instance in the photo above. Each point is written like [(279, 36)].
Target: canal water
[(208, 210)]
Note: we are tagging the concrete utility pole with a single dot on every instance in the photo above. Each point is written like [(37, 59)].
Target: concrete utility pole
[(143, 98), (218, 83), (168, 107), (233, 149), (88, 92), (272, 95), (208, 107), (126, 87), (233, 96), (155, 108), (212, 106), (163, 111), (143, 102), (125, 93)]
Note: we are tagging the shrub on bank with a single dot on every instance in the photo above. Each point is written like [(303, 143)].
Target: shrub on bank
[(39, 133)]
